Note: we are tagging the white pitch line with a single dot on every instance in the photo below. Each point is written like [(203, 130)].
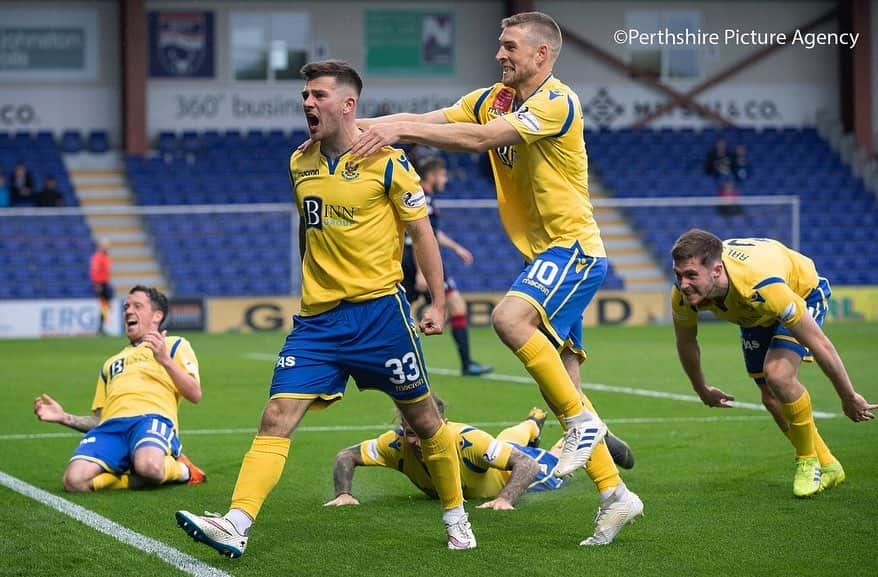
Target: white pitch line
[(627, 391), (588, 387), (385, 426), (185, 563)]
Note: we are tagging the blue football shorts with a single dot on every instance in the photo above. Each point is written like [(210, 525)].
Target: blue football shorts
[(755, 341), (545, 479), (374, 341), (112, 443), (560, 283)]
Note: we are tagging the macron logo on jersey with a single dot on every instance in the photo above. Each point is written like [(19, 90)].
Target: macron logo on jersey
[(553, 95)]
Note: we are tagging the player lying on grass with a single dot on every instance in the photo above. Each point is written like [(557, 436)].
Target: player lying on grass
[(500, 469), (131, 438)]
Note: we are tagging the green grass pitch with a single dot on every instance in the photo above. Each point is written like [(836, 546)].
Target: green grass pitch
[(716, 483)]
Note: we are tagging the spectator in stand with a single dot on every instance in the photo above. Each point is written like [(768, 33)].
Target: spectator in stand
[(729, 194), (100, 269), (719, 163), (50, 195), (741, 164), (21, 186), (4, 192)]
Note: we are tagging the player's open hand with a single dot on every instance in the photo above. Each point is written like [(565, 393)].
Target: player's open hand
[(373, 138), (498, 504), (858, 409), (433, 320), (48, 409), (342, 500), (714, 397), (465, 255), (155, 341)]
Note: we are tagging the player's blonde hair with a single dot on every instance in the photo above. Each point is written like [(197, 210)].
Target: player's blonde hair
[(700, 244), (541, 29)]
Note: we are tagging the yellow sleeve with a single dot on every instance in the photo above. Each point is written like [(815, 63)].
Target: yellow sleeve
[(383, 451), (483, 450), (404, 187), (100, 390), (683, 313), (782, 302), (464, 110), (547, 113), (182, 353)]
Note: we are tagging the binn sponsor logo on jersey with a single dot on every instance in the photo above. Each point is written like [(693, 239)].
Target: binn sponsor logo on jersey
[(318, 214)]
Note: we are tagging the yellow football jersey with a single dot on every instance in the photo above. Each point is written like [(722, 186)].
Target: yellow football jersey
[(354, 215), (542, 183), (483, 460), (768, 282), (133, 383)]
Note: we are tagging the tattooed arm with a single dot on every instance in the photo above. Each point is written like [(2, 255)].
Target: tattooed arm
[(524, 471), (343, 476), (49, 410)]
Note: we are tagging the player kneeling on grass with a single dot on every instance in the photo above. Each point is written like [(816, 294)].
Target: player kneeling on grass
[(131, 439), (500, 469), (779, 301)]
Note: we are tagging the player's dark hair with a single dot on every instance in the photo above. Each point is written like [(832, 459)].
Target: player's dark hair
[(541, 28), (156, 297), (429, 164), (343, 72), (700, 244)]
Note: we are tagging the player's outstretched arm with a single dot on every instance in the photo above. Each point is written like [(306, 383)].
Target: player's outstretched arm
[(812, 336), (459, 136), (446, 241), (524, 470), (343, 476), (49, 410), (689, 353), (430, 264), (432, 117)]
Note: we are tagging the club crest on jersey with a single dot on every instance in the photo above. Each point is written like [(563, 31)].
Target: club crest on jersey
[(350, 171), (503, 101), (414, 199)]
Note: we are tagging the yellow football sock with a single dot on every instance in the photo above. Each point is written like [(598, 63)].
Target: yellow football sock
[(602, 470), (522, 433), (544, 364), (110, 481), (261, 470), (441, 459), (173, 470), (801, 432), (824, 455)]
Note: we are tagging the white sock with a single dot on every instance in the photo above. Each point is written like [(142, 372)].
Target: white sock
[(184, 476), (585, 415), (240, 520), (616, 492), (453, 515)]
